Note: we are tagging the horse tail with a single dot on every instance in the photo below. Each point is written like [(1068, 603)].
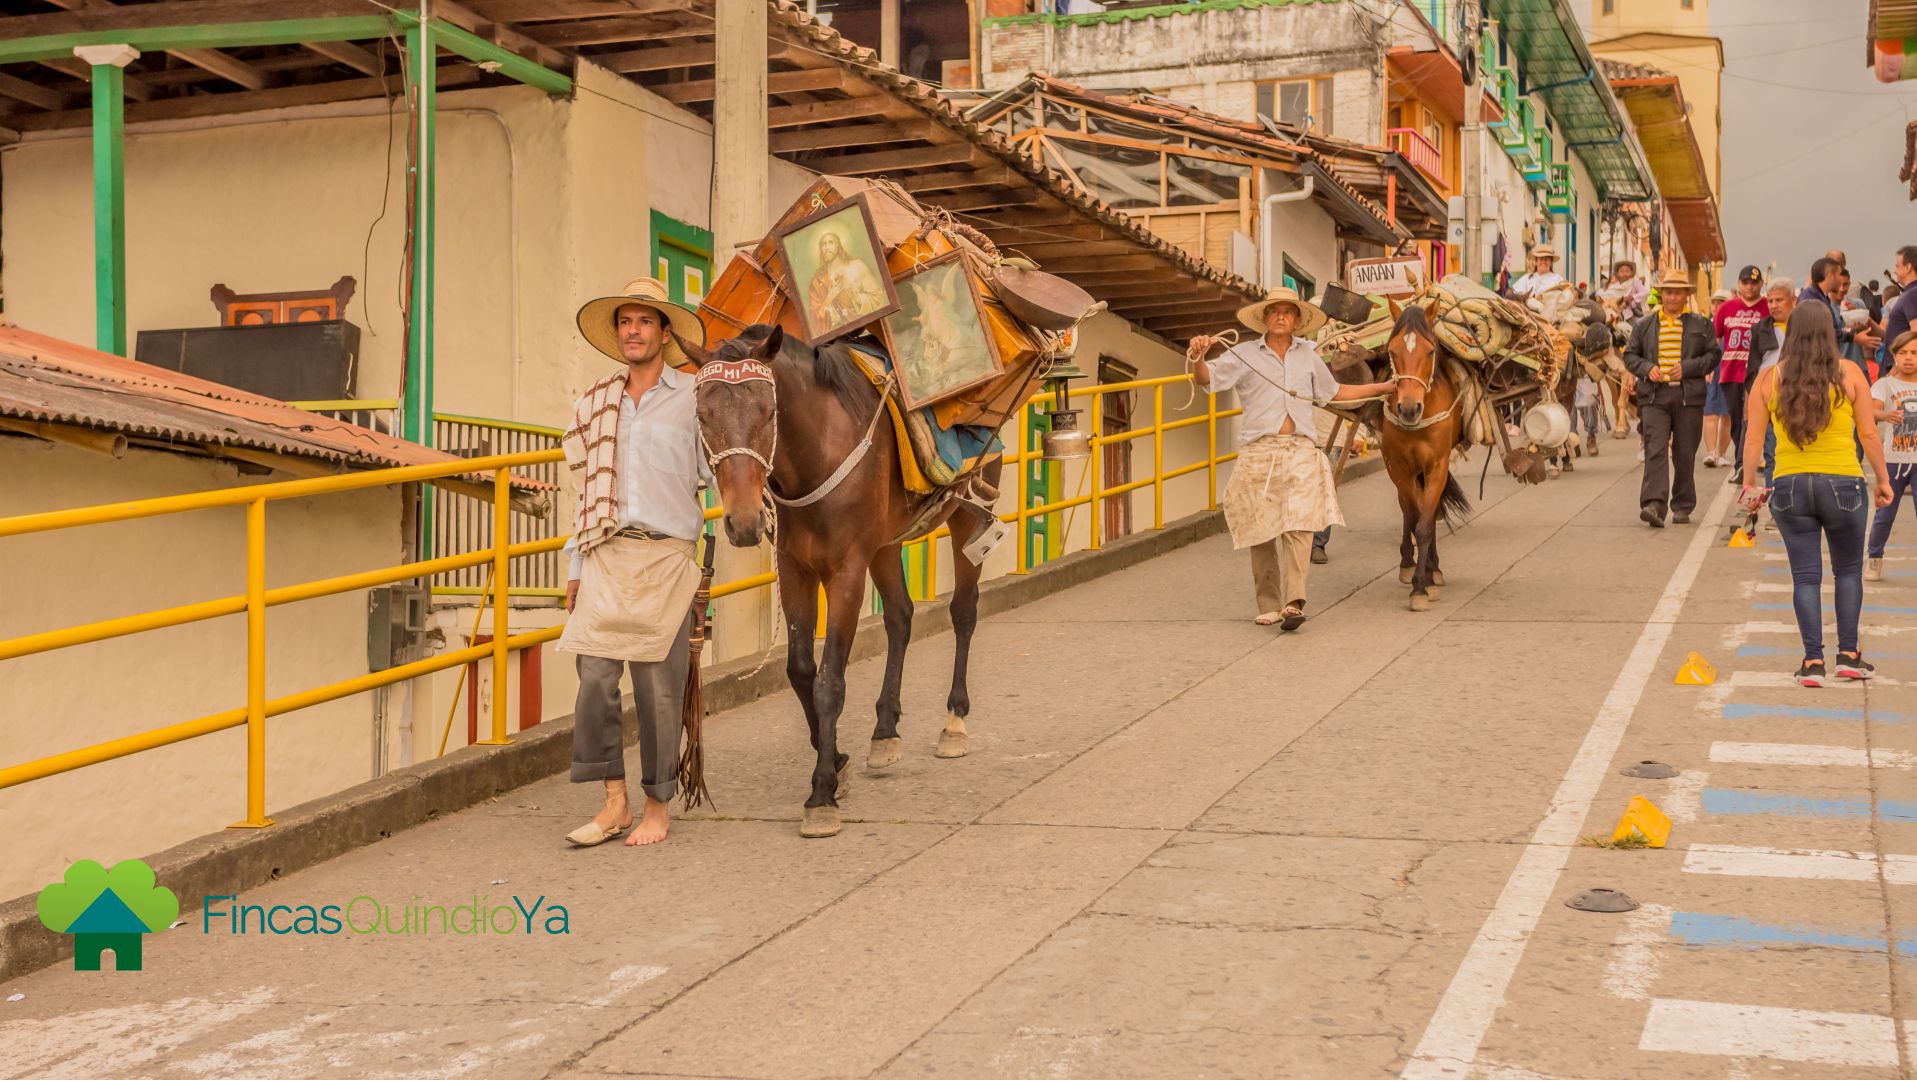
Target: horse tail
[(1454, 506)]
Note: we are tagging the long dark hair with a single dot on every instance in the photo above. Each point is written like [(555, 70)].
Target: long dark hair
[(1807, 372)]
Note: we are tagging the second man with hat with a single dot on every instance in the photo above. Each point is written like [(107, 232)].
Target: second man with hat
[(1281, 490), (1672, 352)]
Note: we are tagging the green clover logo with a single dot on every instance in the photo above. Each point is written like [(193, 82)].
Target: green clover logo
[(107, 911)]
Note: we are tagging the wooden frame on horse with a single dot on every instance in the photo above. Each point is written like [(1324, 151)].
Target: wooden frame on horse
[(836, 293), (941, 344)]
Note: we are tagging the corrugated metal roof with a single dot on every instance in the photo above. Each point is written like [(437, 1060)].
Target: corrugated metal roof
[(46, 380), (1551, 54)]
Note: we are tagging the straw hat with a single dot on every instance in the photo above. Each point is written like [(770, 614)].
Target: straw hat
[(1673, 278), (596, 320), (1544, 251), (1310, 316)]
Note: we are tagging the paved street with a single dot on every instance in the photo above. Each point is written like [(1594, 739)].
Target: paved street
[(1182, 846)]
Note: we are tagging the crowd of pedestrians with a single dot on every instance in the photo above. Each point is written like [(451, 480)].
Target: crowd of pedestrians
[(1808, 396)]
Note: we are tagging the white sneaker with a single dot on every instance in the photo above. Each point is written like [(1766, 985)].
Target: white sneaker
[(1710, 461), (1873, 569)]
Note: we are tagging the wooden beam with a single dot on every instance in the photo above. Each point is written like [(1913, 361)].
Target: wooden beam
[(823, 112), (137, 89), (33, 93), (200, 13), (1186, 325), (495, 30), (1167, 291), (829, 136), (1104, 264), (1074, 231), (955, 179), (878, 161), (1143, 312), (520, 11), (779, 82), (278, 97), (364, 61), (226, 67), (980, 199), (1058, 216), (1092, 280), (633, 61), (611, 31)]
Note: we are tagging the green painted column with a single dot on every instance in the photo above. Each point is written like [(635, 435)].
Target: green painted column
[(109, 192), (416, 404)]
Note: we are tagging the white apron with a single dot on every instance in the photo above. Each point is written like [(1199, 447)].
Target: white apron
[(633, 598), (1282, 483)]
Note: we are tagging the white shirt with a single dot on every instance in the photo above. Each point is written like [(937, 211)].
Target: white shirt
[(659, 461), (1536, 282), (1257, 373)]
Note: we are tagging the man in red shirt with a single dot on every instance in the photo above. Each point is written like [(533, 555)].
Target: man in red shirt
[(1736, 321)]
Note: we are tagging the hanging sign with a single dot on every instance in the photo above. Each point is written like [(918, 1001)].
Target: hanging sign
[(1400, 275)]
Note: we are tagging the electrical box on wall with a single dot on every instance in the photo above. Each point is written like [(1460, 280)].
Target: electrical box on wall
[(396, 625)]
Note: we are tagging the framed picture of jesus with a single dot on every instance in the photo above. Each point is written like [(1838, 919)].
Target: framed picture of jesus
[(835, 267), (939, 339)]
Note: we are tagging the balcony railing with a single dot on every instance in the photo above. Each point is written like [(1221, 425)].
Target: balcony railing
[(1417, 149)]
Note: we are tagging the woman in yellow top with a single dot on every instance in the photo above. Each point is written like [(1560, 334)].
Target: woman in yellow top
[(1820, 410)]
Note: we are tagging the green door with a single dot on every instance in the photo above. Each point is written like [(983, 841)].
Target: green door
[(682, 258)]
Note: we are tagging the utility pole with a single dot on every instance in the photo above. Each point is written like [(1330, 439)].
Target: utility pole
[(1471, 36), (741, 140)]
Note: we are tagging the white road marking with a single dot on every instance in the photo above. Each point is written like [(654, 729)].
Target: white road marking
[(1825, 1038), (1684, 796), (626, 979), (1632, 967), (1759, 753), (1736, 860), (1449, 1046)]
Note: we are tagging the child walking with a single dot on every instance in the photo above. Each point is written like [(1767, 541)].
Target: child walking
[(1896, 398)]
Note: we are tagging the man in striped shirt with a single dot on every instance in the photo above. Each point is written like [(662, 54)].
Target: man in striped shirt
[(1672, 352)]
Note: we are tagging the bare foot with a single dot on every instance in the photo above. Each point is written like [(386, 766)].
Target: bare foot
[(652, 824)]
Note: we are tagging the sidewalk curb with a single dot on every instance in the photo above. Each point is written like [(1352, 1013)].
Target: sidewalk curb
[(233, 860)]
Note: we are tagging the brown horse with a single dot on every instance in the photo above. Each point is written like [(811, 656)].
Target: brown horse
[(803, 426), (1423, 425)]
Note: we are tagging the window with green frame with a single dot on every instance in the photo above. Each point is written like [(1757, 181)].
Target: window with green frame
[(682, 258)]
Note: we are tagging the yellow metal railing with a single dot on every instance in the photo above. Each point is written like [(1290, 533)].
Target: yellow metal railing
[(257, 598)]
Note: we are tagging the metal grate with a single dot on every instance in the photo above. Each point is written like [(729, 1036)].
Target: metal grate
[(461, 524)]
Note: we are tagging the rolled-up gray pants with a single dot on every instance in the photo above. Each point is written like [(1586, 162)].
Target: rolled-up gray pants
[(658, 696)]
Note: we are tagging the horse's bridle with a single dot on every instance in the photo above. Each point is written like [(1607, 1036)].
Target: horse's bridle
[(1391, 415), (734, 373)]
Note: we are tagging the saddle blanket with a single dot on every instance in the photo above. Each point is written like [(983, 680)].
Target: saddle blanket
[(930, 456)]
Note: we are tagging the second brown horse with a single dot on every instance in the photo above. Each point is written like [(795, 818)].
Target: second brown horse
[(1423, 426)]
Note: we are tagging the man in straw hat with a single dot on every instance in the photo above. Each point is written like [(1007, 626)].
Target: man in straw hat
[(633, 449), (1543, 275), (1672, 351), (1281, 491)]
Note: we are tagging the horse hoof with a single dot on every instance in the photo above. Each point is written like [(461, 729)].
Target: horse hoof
[(845, 780), (819, 822), (885, 753), (1420, 603), (953, 740), (1437, 577), (1406, 573)]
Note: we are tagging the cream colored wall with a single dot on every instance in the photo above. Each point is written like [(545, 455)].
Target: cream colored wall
[(1699, 67), (72, 698), (1634, 16)]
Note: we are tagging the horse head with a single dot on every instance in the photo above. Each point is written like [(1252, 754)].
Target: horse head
[(738, 407), (1413, 352)]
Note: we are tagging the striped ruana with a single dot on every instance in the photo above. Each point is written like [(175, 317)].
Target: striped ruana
[(591, 445)]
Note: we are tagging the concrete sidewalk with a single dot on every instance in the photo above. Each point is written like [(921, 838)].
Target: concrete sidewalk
[(1182, 845)]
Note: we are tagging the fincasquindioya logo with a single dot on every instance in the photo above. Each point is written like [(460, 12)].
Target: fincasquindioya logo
[(480, 916), (107, 911)]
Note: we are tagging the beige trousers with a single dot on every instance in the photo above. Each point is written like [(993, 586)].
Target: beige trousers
[(1278, 569)]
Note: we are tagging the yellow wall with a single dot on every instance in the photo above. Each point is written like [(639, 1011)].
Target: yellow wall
[(1633, 16)]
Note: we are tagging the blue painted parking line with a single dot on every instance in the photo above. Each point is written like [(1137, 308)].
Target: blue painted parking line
[(1733, 931), (1807, 712), (1875, 609), (1887, 573), (1724, 801)]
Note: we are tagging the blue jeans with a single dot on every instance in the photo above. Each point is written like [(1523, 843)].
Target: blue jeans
[(1902, 478), (1807, 506)]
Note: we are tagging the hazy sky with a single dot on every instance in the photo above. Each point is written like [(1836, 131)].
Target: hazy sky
[(1812, 141)]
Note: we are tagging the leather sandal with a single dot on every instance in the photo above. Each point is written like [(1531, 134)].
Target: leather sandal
[(591, 834), (1268, 618), (1293, 617)]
